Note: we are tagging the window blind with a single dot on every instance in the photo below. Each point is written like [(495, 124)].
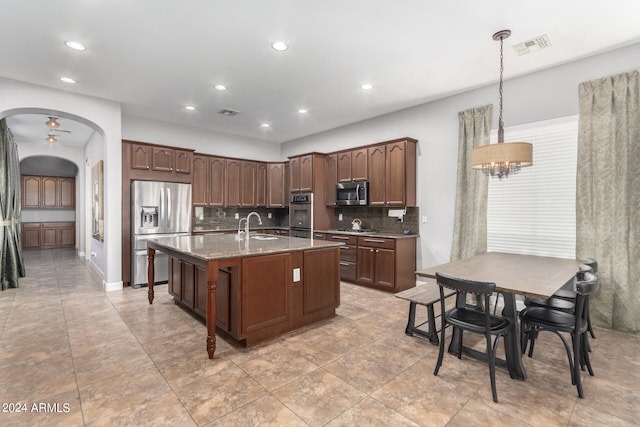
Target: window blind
[(534, 212)]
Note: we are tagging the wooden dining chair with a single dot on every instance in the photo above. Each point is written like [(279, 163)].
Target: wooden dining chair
[(471, 319), (534, 320)]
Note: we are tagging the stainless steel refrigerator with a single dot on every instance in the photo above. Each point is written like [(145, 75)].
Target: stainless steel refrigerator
[(158, 209)]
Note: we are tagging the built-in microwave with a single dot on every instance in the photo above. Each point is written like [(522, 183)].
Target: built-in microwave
[(352, 193)]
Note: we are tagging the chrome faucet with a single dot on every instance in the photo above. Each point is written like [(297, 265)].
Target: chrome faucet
[(247, 223), (239, 227)]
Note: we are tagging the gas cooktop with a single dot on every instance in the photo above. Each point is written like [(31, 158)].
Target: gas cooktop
[(362, 230)]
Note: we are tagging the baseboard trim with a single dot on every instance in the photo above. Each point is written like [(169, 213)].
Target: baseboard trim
[(113, 286)]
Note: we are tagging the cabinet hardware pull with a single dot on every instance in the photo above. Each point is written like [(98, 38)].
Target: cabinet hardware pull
[(340, 237), (375, 240), (344, 263)]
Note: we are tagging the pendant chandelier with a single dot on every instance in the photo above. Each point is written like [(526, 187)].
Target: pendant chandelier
[(51, 139), (504, 158)]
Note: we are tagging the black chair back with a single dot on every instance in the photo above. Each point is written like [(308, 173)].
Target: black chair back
[(464, 285)]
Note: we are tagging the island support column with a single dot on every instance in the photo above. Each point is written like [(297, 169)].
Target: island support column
[(151, 253), (212, 280)]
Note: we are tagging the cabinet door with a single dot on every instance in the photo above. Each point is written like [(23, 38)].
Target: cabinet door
[(287, 184), (265, 291), (140, 157), (275, 185), (331, 172), (30, 236), (359, 165), (162, 159), (183, 161), (49, 235), (233, 170), (344, 167), (175, 278), (67, 235), (306, 173), (49, 192), (261, 184), (385, 267), (321, 280), (67, 193), (294, 174), (377, 177), (395, 174), (248, 182), (31, 191), (188, 284), (199, 181), (365, 265), (216, 181)]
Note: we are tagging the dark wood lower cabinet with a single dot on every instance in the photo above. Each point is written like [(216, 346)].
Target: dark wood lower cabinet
[(48, 235)]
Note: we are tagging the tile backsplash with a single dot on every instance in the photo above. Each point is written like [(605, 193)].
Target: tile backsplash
[(374, 218)]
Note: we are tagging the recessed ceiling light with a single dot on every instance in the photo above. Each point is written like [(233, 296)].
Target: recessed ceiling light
[(75, 45), (220, 87), (67, 80), (190, 108), (366, 86), (281, 46), (265, 125), (302, 111)]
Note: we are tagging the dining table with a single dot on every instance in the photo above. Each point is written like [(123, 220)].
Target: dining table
[(513, 274)]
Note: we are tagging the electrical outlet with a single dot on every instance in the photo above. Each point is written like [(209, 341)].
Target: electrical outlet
[(269, 215), (424, 219), (237, 216), (296, 274), (339, 217)]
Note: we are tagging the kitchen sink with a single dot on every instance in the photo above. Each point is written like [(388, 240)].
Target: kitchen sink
[(264, 237)]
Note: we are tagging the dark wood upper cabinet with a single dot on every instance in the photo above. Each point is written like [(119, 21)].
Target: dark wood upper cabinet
[(233, 171), (400, 184), (162, 159), (248, 184), (359, 165), (276, 185), (216, 181), (294, 173), (344, 166), (306, 173), (261, 184), (48, 192), (377, 179), (31, 191), (331, 177), (140, 156), (199, 181), (183, 161)]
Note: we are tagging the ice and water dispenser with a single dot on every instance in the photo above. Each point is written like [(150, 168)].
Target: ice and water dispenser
[(149, 216)]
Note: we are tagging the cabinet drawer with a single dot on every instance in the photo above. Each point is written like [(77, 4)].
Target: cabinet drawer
[(319, 236), (346, 239), (348, 253), (347, 270), (377, 242)]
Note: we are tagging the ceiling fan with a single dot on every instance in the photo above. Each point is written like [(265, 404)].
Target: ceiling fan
[(54, 125)]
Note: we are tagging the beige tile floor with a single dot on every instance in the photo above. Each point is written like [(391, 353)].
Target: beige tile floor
[(105, 359)]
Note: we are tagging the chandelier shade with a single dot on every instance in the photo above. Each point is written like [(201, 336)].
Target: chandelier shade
[(504, 158), (52, 123)]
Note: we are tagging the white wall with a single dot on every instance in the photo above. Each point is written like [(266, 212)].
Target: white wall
[(93, 153), (103, 116), (543, 95), (203, 141)]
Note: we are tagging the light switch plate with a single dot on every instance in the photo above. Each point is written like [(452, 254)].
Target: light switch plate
[(339, 217), (237, 215), (296, 274)]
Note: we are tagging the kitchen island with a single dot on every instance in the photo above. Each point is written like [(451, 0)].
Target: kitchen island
[(252, 289)]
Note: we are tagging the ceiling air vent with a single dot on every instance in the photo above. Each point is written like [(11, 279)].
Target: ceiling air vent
[(532, 45), (229, 113)]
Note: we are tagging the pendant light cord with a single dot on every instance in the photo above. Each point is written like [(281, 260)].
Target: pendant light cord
[(500, 123)]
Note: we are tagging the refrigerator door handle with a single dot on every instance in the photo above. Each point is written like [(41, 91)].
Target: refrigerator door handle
[(169, 209)]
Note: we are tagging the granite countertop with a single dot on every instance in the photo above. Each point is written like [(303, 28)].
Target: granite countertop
[(221, 246), (218, 229)]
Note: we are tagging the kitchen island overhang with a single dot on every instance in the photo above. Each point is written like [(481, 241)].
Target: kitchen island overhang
[(254, 288)]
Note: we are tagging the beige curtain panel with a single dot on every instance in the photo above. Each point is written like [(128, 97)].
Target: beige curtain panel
[(470, 226), (608, 196)]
